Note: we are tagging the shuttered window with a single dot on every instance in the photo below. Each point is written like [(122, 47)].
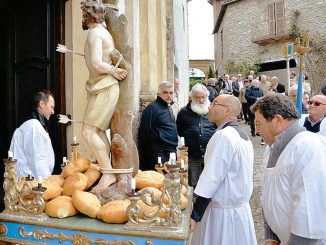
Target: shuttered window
[(276, 20)]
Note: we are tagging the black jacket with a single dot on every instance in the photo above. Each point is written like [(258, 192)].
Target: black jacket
[(158, 130), (196, 129)]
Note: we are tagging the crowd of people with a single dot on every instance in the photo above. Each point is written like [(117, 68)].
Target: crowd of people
[(221, 157)]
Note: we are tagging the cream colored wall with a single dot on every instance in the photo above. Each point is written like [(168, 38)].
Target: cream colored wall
[(76, 73)]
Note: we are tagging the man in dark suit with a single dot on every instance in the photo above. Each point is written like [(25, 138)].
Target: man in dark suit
[(280, 88)]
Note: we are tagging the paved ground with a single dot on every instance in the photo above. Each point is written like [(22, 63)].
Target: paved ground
[(255, 199)]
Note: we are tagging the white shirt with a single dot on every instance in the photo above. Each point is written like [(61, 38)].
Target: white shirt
[(228, 180), (294, 193), (32, 148)]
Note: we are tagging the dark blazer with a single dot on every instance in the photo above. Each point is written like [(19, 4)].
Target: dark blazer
[(280, 88)]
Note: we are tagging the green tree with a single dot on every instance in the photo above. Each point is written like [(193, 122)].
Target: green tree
[(210, 72)]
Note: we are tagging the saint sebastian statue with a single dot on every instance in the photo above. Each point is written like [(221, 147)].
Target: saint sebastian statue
[(102, 88)]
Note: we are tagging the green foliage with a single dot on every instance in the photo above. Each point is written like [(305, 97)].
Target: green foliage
[(243, 68), (194, 80), (295, 32), (211, 72)]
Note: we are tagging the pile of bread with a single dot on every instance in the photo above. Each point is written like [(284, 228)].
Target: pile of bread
[(67, 194)]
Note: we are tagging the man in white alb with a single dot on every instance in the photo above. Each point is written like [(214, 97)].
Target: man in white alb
[(226, 182), (293, 192)]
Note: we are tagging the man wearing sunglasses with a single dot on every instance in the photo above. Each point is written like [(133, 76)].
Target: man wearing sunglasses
[(315, 121)]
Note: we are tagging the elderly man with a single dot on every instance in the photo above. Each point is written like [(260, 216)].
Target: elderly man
[(157, 133), (315, 121), (252, 94), (226, 182), (293, 192), (280, 88), (293, 96), (31, 144), (264, 84), (193, 125)]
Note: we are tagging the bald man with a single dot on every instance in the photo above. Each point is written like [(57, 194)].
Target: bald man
[(221, 212), (315, 121)]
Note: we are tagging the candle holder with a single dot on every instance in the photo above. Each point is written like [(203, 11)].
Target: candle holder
[(75, 153), (21, 198), (153, 220)]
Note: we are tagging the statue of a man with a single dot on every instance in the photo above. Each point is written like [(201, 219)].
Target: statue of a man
[(102, 87)]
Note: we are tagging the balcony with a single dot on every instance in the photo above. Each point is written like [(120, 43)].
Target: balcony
[(269, 39)]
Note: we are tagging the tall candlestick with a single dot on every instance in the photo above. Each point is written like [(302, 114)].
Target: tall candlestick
[(75, 140)]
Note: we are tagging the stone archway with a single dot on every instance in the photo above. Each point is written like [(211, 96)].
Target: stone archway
[(202, 65)]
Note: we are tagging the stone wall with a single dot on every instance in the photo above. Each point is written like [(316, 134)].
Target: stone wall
[(247, 20)]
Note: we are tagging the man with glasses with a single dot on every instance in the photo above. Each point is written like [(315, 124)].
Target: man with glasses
[(193, 125), (293, 190), (315, 121), (221, 213)]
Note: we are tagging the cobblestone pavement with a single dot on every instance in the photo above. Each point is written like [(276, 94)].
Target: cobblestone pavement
[(255, 202)]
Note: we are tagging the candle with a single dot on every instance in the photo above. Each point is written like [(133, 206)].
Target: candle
[(172, 158), (64, 159), (39, 182), (75, 140), (182, 164), (159, 161), (10, 155), (133, 186), (182, 140)]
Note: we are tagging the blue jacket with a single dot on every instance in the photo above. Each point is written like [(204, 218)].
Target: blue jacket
[(252, 94), (196, 129), (158, 130)]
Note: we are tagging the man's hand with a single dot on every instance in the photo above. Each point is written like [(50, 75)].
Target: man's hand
[(192, 225), (120, 74)]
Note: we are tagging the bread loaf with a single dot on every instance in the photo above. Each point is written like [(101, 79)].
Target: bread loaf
[(114, 212), (92, 174), (58, 179), (149, 178), (69, 170), (60, 207), (74, 182), (86, 203), (81, 163)]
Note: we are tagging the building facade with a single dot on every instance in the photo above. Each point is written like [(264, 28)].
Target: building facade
[(248, 32)]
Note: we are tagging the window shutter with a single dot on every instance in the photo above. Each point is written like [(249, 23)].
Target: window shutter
[(271, 19), (279, 17)]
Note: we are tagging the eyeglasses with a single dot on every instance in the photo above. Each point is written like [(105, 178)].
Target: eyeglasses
[(315, 103), (215, 103)]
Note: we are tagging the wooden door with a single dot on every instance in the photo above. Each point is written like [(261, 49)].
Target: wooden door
[(28, 63)]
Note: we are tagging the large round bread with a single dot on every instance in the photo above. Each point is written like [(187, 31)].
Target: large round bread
[(74, 182), (114, 212), (58, 179), (149, 178), (81, 163), (86, 203), (92, 174), (60, 207), (69, 170)]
